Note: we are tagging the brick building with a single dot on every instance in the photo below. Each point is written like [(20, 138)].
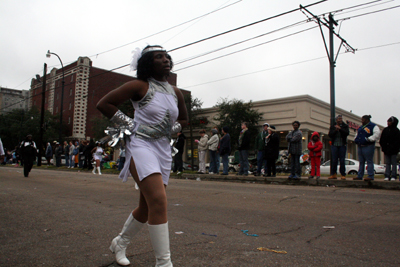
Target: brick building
[(84, 86)]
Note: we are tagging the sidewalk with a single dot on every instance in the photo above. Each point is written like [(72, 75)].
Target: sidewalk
[(378, 183)]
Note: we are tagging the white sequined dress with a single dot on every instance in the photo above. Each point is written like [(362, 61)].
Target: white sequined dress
[(149, 146)]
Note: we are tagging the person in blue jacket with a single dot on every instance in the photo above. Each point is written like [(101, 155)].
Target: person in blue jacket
[(365, 139)]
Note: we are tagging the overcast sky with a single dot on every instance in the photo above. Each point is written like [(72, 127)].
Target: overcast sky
[(284, 63)]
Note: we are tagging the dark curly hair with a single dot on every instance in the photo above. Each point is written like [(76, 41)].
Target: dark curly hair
[(145, 64)]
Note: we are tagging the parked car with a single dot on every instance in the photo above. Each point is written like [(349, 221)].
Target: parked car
[(351, 167), (44, 160), (186, 166), (231, 168)]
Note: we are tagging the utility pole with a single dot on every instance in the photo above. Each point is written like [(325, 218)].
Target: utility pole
[(332, 65), (39, 163), (331, 53)]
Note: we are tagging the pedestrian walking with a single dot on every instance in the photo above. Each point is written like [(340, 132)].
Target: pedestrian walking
[(338, 134), (271, 151), (315, 147), (28, 152), (202, 150), (225, 149), (365, 139), (294, 139), (390, 144), (160, 112), (243, 147)]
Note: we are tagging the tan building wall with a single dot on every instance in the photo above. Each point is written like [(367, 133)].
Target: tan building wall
[(312, 113)]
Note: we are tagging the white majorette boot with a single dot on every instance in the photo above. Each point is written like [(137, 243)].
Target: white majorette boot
[(98, 168), (159, 237), (94, 170), (119, 244)]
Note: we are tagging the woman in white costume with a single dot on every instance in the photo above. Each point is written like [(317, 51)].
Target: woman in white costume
[(98, 153), (160, 111)]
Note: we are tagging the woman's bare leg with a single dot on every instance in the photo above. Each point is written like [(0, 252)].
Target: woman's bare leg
[(154, 201)]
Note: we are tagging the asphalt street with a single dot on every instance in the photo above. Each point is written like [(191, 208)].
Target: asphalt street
[(61, 218)]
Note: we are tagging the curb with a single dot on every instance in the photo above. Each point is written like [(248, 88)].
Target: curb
[(282, 180)]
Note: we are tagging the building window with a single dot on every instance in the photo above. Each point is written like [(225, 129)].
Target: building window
[(70, 105), (72, 78), (69, 120), (56, 109), (57, 96), (70, 92)]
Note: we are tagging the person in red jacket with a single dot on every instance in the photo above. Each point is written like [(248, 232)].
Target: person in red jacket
[(315, 147)]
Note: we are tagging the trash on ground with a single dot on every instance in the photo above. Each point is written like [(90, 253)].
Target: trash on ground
[(272, 250), (208, 234), (45, 230), (198, 179), (178, 205), (328, 227), (246, 232), (179, 233)]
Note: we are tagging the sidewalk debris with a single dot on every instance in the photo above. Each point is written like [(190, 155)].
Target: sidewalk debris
[(272, 250), (208, 234), (328, 227), (179, 233), (246, 232)]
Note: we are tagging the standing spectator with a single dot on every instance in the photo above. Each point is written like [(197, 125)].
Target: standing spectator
[(48, 153), (213, 147), (98, 153), (271, 151), (338, 134), (365, 139), (71, 155), (243, 147), (28, 152), (295, 149), (58, 152), (82, 147), (66, 153), (202, 149), (89, 155), (390, 144), (217, 155), (315, 147), (1, 151), (225, 149), (76, 154), (121, 159), (260, 146), (180, 146)]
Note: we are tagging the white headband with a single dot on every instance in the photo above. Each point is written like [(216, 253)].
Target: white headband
[(138, 53)]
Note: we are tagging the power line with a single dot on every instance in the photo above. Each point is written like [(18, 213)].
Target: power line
[(240, 42), (244, 26), (247, 48), (282, 66), (173, 27), (368, 13)]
